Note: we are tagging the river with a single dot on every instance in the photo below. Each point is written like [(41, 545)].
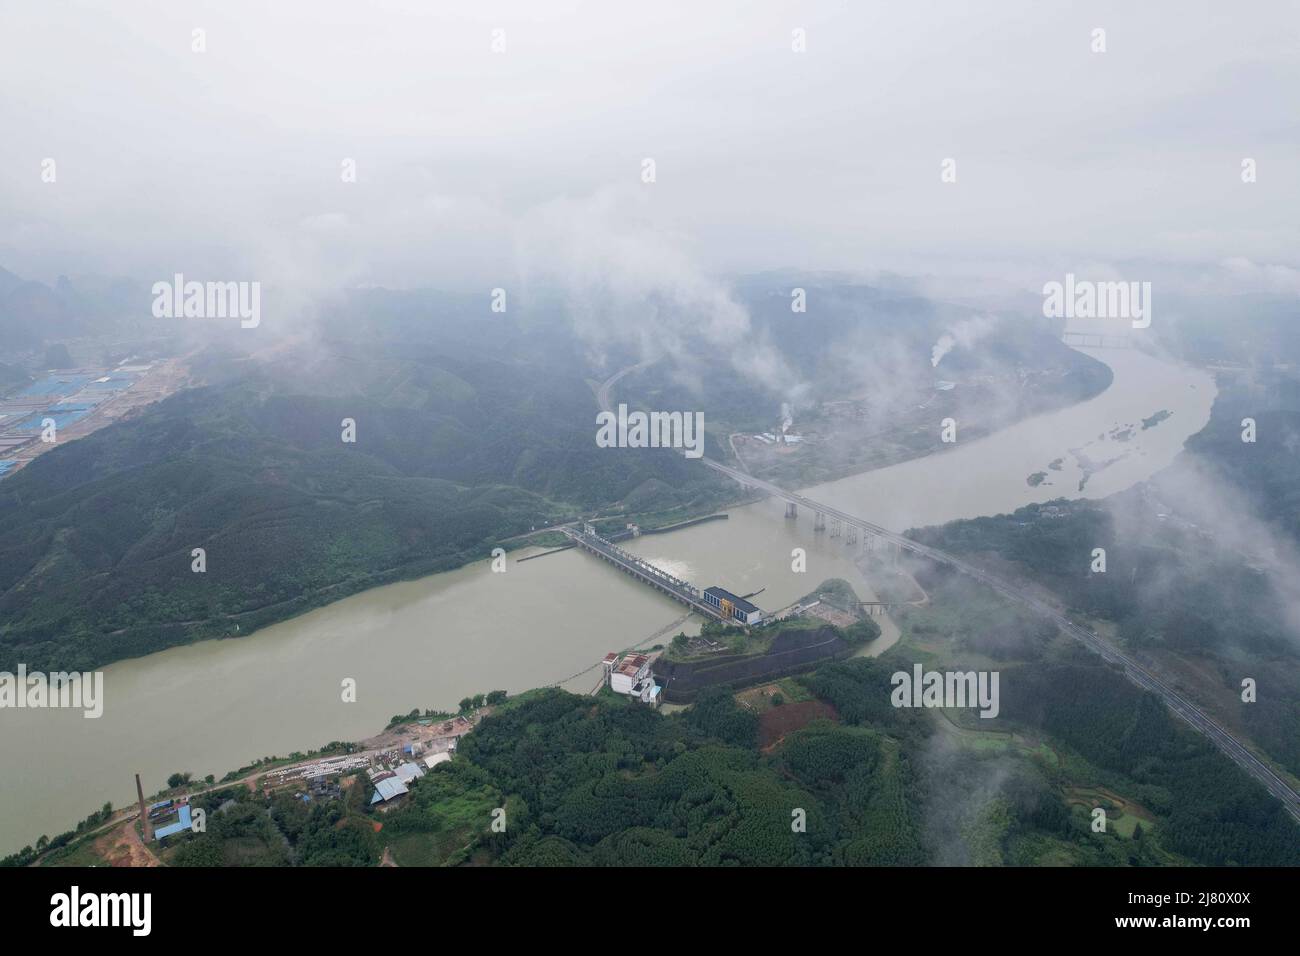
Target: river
[(218, 705)]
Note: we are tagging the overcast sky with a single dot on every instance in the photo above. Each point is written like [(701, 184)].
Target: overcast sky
[(473, 165)]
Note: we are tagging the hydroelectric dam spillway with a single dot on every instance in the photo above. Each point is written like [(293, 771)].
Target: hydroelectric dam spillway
[(647, 573)]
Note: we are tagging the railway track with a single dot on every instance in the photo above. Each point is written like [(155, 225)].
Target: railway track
[(1234, 749)]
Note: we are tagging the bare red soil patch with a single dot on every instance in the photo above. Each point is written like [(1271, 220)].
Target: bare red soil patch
[(121, 846), (777, 722)]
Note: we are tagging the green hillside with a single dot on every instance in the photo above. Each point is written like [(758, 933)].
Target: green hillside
[(452, 456)]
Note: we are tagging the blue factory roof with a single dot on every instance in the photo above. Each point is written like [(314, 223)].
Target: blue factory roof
[(737, 602), (31, 425), (56, 384), (182, 824)]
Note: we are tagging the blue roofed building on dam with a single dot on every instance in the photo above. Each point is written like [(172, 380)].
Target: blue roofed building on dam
[(732, 606)]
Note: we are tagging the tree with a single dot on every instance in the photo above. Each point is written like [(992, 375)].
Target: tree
[(716, 714), (465, 704), (478, 700), (496, 697)]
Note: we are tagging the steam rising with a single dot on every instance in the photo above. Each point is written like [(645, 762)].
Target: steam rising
[(963, 334)]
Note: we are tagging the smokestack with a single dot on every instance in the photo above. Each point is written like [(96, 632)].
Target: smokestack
[(144, 813)]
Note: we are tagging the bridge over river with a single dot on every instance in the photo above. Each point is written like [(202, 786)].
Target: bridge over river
[(1144, 678), (1234, 749)]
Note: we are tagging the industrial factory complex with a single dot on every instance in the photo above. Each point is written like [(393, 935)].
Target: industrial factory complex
[(72, 403)]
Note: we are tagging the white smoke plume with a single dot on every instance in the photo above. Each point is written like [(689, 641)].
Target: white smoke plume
[(964, 334)]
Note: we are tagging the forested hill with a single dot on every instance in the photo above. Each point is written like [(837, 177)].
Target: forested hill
[(451, 454), (1188, 559), (471, 426), (853, 781), (1266, 470), (1199, 574)]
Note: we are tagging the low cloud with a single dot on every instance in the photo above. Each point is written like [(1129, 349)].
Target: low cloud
[(632, 286)]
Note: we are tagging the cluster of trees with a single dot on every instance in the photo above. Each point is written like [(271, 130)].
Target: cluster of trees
[(859, 690), (604, 783), (1265, 469), (608, 784), (242, 830), (1168, 586), (612, 784), (491, 698), (465, 706), (452, 455), (1156, 580), (666, 789), (1211, 812), (862, 631), (552, 778), (447, 816)]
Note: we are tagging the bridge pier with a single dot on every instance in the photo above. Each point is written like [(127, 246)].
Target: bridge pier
[(819, 522), (836, 527), (1222, 739), (791, 510)]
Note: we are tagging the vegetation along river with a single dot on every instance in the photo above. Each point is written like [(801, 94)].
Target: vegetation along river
[(218, 705)]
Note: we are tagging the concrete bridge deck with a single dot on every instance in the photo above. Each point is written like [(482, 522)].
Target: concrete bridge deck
[(1135, 672)]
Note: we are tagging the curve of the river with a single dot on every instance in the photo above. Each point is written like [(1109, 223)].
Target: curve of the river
[(217, 705)]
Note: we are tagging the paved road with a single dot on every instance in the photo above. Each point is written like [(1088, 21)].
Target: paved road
[(1225, 741), (1221, 738), (604, 388)]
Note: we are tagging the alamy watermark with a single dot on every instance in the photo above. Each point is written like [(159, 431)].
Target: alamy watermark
[(651, 430), (37, 690), (75, 908), (924, 688), (179, 299), (1082, 299)]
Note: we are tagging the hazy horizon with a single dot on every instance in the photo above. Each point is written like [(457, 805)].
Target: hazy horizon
[(477, 168)]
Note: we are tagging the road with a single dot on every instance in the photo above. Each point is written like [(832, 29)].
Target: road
[(1225, 741), (603, 389), (1234, 749)]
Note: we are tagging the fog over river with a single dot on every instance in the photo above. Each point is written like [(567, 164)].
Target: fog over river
[(217, 705)]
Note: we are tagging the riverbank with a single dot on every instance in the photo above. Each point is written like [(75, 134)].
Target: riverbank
[(425, 643)]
